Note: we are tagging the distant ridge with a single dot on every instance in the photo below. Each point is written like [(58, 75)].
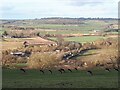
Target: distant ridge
[(81, 18)]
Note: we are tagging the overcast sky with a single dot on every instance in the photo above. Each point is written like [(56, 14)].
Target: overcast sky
[(30, 9)]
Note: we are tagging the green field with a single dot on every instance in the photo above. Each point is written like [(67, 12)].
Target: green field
[(88, 25), (63, 32), (1, 32), (76, 79), (70, 27), (83, 39)]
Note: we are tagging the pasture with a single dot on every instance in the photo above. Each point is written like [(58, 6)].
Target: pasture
[(85, 26), (77, 79), (83, 39), (52, 31)]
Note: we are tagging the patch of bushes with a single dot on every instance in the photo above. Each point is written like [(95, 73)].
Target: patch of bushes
[(43, 60), (9, 60)]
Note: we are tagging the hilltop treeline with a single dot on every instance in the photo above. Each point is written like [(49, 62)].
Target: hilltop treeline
[(82, 18), (54, 20)]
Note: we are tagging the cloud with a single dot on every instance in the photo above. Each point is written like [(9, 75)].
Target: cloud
[(20, 9), (86, 2), (90, 2)]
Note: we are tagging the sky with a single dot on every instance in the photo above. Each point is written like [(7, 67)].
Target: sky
[(31, 9)]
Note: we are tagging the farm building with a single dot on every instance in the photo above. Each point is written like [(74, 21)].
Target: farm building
[(96, 33)]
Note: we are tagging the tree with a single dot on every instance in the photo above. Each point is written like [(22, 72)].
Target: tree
[(43, 60), (22, 35), (38, 34), (60, 39), (5, 33)]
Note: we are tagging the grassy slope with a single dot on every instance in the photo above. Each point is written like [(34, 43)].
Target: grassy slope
[(84, 28), (11, 45), (78, 79), (82, 39), (88, 25), (63, 32)]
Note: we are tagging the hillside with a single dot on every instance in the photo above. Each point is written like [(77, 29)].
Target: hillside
[(74, 25)]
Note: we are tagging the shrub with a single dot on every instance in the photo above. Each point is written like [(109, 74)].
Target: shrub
[(7, 60), (21, 60), (43, 60)]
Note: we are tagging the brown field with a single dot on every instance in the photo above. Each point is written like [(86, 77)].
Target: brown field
[(13, 43)]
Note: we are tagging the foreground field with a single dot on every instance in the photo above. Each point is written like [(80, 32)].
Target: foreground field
[(77, 79)]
